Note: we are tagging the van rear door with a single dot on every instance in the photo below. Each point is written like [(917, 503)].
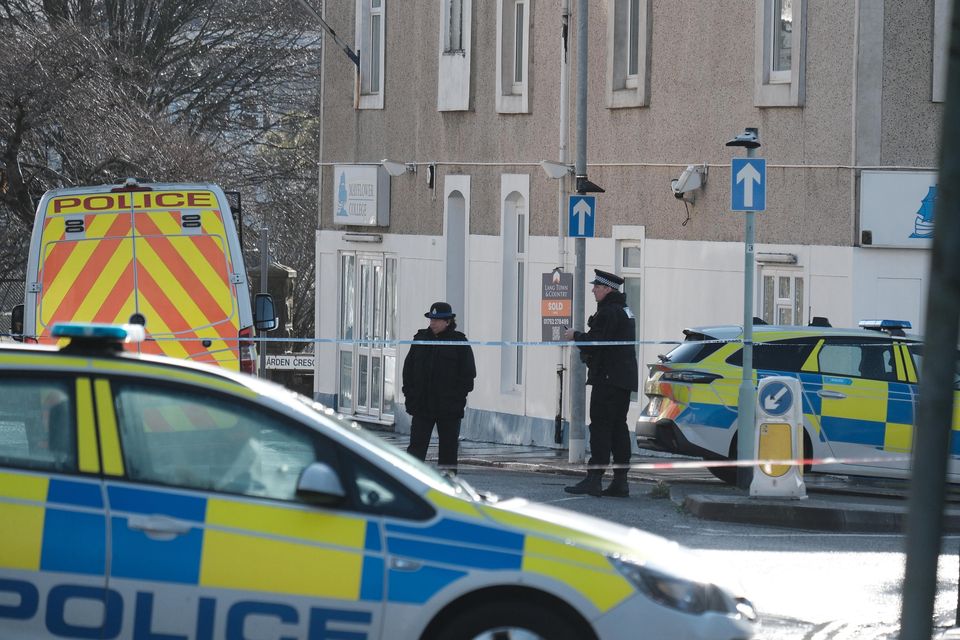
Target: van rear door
[(85, 269), (184, 278), (163, 253)]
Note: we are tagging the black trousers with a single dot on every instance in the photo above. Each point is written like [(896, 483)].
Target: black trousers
[(448, 430), (608, 425)]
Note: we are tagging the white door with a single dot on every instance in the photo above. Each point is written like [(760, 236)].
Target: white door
[(368, 360)]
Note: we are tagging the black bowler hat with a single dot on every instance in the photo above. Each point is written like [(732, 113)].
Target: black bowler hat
[(609, 279), (440, 310)]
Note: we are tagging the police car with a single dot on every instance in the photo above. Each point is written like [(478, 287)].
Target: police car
[(143, 497), (859, 389)]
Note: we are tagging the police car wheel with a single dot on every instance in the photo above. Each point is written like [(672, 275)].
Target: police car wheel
[(509, 621), (727, 475)]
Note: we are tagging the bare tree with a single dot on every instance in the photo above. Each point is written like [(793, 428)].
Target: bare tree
[(92, 91)]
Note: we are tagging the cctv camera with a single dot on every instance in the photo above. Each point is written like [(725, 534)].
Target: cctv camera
[(690, 179)]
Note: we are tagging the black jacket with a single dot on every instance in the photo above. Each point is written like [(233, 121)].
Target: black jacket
[(437, 378), (616, 365)]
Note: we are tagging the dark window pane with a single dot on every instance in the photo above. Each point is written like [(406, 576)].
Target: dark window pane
[(781, 355)]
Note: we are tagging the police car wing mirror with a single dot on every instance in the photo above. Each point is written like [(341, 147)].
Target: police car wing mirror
[(319, 484), (16, 323), (265, 317)]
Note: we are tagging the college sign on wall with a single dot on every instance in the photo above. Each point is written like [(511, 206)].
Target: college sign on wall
[(361, 195), (556, 304), (897, 208)]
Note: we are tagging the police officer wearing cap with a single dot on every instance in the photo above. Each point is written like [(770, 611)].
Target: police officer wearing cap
[(436, 381), (612, 372)]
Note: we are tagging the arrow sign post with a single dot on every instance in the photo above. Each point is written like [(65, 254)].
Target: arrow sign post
[(582, 209), (748, 184)]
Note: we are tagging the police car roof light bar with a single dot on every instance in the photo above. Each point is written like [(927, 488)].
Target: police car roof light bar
[(893, 327), (98, 333)]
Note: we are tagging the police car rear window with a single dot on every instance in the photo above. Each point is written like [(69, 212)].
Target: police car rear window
[(690, 352), (778, 355)]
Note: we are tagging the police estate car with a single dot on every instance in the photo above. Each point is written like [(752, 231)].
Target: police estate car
[(859, 390), (142, 497)]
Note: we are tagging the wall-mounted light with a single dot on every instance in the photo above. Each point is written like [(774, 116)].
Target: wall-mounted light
[(556, 170), (363, 237), (777, 258), (431, 174), (396, 169)]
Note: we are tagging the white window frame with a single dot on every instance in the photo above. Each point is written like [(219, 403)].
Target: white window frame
[(371, 65), (942, 12), (623, 88), (515, 238), (632, 238), (513, 93), (779, 88), (453, 66)]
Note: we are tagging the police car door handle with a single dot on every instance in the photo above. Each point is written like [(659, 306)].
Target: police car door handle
[(402, 564), (835, 395), (159, 527)]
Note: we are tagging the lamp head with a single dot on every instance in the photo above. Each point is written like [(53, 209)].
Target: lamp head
[(555, 170), (398, 168), (750, 139)]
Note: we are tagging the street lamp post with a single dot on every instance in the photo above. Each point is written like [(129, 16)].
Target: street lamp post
[(746, 399)]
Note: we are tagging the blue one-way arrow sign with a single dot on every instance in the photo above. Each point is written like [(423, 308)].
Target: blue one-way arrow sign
[(581, 218), (748, 184)]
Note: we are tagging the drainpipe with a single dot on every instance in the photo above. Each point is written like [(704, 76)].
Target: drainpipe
[(562, 192)]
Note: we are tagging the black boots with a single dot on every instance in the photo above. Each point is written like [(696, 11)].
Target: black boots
[(589, 485), (619, 487)]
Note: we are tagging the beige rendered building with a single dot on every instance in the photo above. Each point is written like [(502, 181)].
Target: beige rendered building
[(466, 99)]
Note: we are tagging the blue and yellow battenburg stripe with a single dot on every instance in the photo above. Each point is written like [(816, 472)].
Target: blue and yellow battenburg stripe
[(286, 550)]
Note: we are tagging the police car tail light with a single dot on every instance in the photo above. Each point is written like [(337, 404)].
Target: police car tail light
[(689, 376), (248, 352), (675, 592)]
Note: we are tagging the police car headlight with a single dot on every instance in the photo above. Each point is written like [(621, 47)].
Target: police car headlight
[(672, 591)]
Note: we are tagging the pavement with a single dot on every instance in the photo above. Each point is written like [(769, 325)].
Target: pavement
[(833, 503)]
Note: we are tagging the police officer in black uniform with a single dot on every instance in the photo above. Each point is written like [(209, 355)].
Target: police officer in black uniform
[(612, 372), (436, 381)]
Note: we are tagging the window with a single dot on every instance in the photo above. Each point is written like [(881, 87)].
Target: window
[(782, 297), (942, 10), (453, 71), (779, 53), (515, 230), (453, 26), (628, 53), (858, 358), (37, 424), (777, 355), (513, 55), (630, 269), (370, 36), (193, 440)]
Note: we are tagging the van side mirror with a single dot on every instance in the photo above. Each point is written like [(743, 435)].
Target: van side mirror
[(16, 323), (264, 315)]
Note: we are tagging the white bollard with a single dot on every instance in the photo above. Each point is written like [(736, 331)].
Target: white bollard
[(779, 437)]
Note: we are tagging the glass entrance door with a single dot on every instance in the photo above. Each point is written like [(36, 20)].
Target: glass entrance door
[(368, 324)]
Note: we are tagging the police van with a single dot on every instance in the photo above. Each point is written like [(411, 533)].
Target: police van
[(168, 254), (145, 497)]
